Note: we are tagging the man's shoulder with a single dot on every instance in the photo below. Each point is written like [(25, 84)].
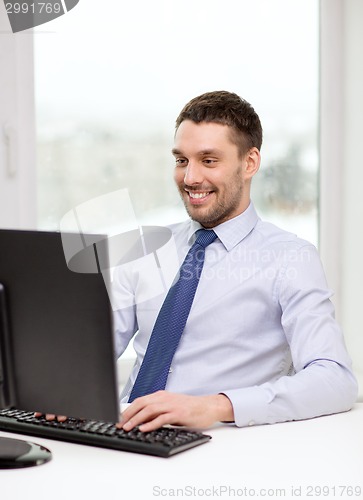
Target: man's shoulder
[(272, 234)]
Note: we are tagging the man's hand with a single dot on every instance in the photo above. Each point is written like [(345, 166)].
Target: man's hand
[(160, 408)]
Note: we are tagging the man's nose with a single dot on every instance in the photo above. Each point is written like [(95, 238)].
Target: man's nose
[(193, 174)]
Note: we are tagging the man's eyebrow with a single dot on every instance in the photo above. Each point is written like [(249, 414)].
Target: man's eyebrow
[(207, 152), (203, 152)]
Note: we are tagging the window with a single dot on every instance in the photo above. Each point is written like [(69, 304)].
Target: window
[(112, 77)]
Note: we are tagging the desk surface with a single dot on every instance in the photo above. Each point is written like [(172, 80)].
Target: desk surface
[(288, 460)]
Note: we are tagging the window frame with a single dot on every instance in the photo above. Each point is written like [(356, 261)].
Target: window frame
[(17, 128)]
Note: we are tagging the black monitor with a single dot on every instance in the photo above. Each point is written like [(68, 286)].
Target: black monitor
[(56, 332)]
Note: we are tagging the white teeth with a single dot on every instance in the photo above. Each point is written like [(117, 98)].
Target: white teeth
[(198, 195)]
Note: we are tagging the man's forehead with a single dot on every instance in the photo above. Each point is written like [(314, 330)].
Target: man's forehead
[(203, 136)]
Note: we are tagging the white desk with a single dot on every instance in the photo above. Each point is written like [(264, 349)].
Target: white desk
[(261, 461)]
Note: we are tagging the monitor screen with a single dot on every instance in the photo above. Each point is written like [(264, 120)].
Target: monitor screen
[(56, 333)]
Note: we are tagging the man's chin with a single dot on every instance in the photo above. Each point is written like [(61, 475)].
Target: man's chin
[(199, 215)]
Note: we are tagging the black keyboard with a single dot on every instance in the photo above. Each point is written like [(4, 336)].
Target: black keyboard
[(163, 442)]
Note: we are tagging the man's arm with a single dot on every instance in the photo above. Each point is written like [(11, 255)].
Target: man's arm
[(323, 382), (322, 388)]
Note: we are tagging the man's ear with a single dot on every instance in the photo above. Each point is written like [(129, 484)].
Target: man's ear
[(252, 162)]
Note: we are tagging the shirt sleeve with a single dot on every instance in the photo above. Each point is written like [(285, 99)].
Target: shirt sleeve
[(323, 381), (124, 311)]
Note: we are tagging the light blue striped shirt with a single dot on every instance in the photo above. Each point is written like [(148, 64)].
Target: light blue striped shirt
[(261, 329)]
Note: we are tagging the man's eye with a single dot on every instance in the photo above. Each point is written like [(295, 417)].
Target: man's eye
[(208, 161), (180, 161)]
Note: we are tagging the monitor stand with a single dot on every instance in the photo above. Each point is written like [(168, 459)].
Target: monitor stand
[(14, 453)]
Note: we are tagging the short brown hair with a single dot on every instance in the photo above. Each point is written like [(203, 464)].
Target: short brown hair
[(229, 109)]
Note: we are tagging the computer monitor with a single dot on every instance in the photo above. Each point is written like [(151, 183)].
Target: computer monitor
[(56, 332)]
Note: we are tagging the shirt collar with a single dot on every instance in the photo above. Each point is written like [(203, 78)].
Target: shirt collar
[(233, 231)]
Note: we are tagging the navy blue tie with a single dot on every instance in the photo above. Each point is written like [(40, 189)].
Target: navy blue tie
[(171, 320)]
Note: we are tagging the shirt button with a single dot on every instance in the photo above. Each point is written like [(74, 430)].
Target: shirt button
[(170, 370), (251, 422)]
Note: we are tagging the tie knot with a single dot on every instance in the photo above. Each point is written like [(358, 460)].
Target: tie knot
[(205, 237)]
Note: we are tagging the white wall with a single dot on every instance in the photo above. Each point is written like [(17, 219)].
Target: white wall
[(341, 201), (352, 182), (17, 155)]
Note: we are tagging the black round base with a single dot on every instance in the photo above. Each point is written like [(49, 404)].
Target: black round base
[(15, 454)]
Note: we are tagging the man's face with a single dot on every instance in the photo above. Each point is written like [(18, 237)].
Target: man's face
[(210, 173)]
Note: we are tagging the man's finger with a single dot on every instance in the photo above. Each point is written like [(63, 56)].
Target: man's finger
[(51, 416)]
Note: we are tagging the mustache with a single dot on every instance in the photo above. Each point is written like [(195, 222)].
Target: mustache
[(199, 187)]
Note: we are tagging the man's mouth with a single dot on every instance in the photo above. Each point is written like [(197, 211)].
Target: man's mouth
[(197, 197)]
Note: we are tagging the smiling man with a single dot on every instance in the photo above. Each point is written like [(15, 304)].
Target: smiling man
[(260, 343)]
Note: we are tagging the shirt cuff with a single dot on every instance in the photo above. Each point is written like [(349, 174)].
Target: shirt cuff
[(250, 405)]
